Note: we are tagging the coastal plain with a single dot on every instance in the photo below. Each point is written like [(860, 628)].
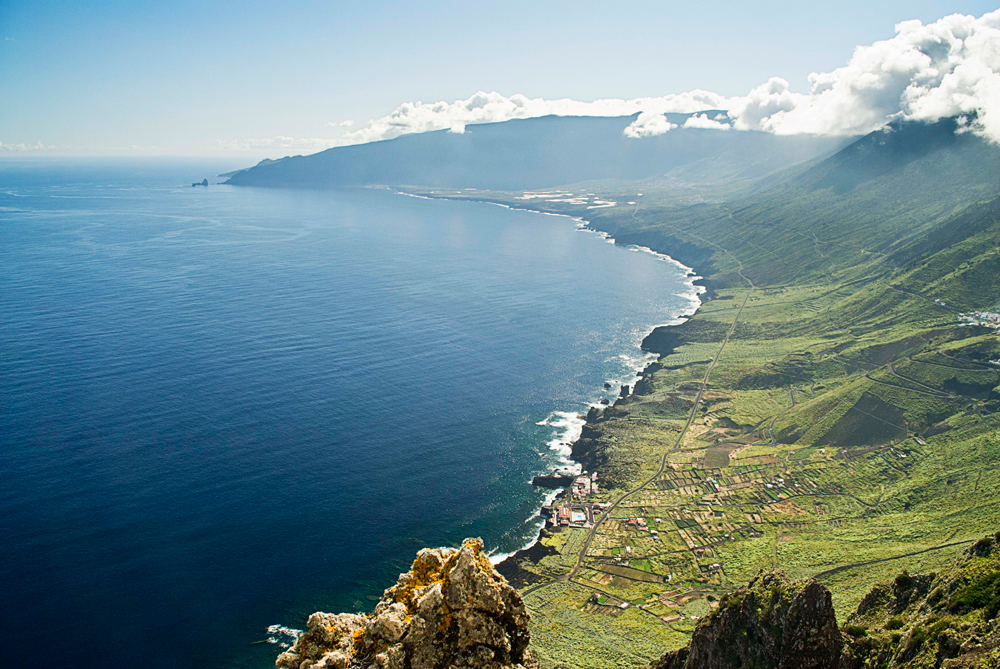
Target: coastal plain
[(831, 410)]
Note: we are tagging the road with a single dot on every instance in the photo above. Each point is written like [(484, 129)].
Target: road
[(663, 461)]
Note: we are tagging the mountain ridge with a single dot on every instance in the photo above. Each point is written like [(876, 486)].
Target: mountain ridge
[(826, 411), (541, 152)]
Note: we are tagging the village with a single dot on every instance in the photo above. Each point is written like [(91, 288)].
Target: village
[(662, 551), (574, 511), (987, 319)]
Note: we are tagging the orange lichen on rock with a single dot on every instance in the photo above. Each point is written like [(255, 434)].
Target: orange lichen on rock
[(451, 609)]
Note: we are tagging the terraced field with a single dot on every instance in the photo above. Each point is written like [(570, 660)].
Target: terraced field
[(825, 412)]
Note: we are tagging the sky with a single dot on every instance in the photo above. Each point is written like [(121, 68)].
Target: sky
[(264, 79)]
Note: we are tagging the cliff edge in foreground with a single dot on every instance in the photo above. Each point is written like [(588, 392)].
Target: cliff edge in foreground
[(930, 620), (451, 609), (770, 622)]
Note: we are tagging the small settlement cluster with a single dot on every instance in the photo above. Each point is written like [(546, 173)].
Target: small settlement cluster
[(986, 319), (570, 508)]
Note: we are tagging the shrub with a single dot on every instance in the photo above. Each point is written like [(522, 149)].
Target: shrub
[(856, 631), (983, 593)]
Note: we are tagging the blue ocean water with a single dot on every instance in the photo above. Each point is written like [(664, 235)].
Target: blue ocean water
[(222, 409)]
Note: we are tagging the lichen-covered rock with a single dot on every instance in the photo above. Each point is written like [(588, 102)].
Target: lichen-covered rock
[(771, 623), (452, 609)]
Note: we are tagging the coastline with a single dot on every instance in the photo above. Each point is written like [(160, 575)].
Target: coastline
[(508, 564)]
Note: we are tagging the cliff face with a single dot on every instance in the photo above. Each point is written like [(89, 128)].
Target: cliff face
[(451, 609), (931, 620), (769, 623)]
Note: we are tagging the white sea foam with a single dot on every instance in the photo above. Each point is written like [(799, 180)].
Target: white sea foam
[(419, 197), (693, 292), (569, 425), (633, 364), (535, 525), (282, 636), (568, 428)]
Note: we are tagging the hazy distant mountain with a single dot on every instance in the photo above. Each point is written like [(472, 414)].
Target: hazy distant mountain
[(538, 153), (900, 195)]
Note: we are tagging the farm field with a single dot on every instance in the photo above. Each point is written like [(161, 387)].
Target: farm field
[(828, 411)]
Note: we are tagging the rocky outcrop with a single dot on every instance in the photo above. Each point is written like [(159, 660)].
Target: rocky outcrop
[(947, 620), (771, 623), (452, 609), (554, 480)]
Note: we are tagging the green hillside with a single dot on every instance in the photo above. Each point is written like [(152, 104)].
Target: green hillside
[(827, 411)]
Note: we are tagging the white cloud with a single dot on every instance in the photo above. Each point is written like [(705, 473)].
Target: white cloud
[(493, 107), (649, 124), (947, 68), (24, 148), (702, 121), (346, 124)]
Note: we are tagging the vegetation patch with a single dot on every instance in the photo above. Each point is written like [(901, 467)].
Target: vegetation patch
[(983, 593), (869, 422)]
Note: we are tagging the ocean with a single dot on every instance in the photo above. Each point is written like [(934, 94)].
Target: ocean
[(224, 408)]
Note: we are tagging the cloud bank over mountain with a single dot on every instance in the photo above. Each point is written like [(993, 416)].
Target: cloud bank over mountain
[(926, 72), (948, 68)]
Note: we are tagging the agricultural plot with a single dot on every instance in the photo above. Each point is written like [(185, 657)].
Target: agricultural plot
[(849, 429)]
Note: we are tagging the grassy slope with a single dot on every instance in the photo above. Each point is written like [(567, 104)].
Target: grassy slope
[(849, 429)]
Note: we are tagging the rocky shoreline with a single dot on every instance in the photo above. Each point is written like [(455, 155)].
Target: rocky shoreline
[(510, 567), (662, 340)]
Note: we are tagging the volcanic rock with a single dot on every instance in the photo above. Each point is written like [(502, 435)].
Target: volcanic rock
[(452, 609), (770, 623)]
